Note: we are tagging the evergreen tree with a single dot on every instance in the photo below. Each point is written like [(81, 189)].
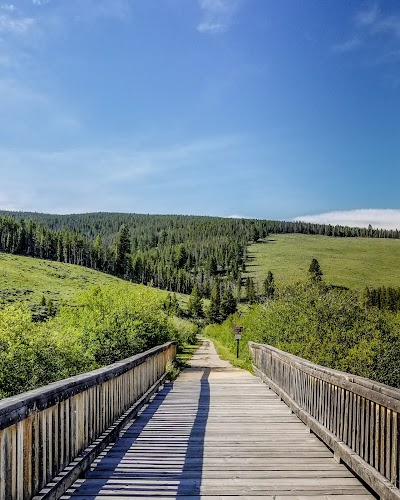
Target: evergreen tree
[(315, 271), (214, 311), (213, 267), (175, 304), (256, 235), (122, 250), (195, 303), (269, 286), (251, 291), (98, 252), (228, 304)]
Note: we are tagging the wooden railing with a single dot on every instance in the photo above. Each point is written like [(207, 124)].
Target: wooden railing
[(49, 436), (356, 417)]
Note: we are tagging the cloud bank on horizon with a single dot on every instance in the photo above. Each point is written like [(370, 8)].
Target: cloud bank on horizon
[(378, 218)]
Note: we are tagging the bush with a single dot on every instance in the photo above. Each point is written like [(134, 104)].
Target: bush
[(325, 325), (33, 354), (107, 325)]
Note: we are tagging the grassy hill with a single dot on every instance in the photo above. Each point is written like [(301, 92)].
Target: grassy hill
[(28, 279), (350, 262)]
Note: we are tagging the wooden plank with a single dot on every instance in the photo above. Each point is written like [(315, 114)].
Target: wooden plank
[(215, 432)]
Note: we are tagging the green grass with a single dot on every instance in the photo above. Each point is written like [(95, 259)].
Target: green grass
[(350, 262), (25, 279)]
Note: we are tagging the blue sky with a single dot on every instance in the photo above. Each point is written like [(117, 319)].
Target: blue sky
[(258, 108)]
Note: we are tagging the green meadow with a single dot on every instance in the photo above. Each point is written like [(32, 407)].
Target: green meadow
[(27, 280), (24, 279), (351, 262)]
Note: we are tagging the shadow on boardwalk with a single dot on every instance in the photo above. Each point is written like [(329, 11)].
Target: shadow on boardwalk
[(195, 446), (160, 454)]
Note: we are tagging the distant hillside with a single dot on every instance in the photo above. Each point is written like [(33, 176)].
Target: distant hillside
[(350, 262), (28, 280), (170, 252)]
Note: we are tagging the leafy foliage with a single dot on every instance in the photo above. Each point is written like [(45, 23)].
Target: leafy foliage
[(325, 325), (106, 324)]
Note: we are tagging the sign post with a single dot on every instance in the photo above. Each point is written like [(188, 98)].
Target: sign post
[(238, 335)]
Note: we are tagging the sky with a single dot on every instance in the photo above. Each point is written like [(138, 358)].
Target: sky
[(250, 108)]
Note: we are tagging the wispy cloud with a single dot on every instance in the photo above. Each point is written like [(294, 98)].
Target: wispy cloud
[(378, 218), (8, 7), (218, 15), (348, 45), (367, 16), (91, 177), (372, 27), (17, 25)]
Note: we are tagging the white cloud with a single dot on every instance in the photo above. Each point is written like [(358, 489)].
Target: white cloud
[(234, 216), (218, 15), (369, 26), (16, 25), (8, 6), (378, 218)]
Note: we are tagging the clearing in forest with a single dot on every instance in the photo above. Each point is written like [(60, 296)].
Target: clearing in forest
[(351, 262)]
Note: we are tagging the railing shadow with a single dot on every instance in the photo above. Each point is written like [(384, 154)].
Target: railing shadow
[(163, 457), (192, 471)]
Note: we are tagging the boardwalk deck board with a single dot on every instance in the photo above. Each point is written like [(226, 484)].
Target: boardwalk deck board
[(217, 432)]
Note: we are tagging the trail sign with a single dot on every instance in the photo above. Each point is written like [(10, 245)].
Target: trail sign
[(238, 335), (238, 332)]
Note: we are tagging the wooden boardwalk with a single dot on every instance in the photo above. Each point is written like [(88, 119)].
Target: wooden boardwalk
[(215, 433)]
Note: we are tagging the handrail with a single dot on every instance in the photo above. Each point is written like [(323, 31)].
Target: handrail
[(356, 417), (42, 431)]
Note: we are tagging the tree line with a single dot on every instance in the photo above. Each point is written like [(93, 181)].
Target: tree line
[(171, 252), (148, 231), (384, 298)]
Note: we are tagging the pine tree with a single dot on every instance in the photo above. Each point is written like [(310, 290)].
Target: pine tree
[(213, 267), (98, 251), (228, 304), (175, 305), (122, 250), (269, 286), (315, 271), (195, 303), (251, 291), (214, 311), (255, 234)]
